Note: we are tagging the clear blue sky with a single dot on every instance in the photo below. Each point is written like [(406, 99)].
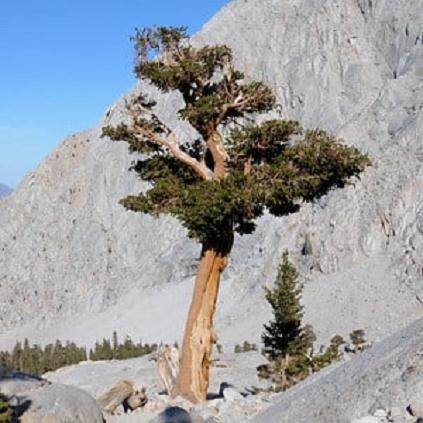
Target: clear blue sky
[(62, 62)]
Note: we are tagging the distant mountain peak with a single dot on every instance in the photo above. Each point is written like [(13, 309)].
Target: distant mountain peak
[(4, 190)]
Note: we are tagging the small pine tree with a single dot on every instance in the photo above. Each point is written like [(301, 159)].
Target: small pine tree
[(287, 343), (237, 349), (337, 340), (92, 355), (328, 355), (115, 345), (246, 346), (285, 335), (219, 348)]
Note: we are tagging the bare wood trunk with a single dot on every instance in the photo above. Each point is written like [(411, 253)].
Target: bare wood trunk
[(220, 155), (168, 366), (193, 378), (126, 393), (285, 367)]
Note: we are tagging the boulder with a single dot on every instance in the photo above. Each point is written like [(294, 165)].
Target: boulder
[(367, 419), (36, 400), (230, 394), (416, 408), (396, 413), (380, 413), (173, 415)]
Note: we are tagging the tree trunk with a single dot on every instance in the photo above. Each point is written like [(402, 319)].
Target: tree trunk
[(284, 381), (193, 378)]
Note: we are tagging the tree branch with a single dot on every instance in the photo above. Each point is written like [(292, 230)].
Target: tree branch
[(170, 142), (199, 167), (219, 153)]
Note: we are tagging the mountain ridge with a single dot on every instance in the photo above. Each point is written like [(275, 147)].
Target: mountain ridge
[(4, 190)]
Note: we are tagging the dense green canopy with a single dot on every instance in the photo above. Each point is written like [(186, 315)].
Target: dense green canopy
[(222, 183)]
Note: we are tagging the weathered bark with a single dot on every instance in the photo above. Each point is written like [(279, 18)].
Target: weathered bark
[(284, 379), (220, 155), (193, 378), (168, 366), (126, 393)]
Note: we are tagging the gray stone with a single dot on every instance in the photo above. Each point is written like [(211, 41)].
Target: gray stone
[(366, 419), (416, 408), (173, 415), (39, 401), (230, 394), (380, 413), (397, 412), (205, 411)]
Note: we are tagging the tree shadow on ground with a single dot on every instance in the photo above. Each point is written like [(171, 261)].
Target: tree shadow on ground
[(19, 406)]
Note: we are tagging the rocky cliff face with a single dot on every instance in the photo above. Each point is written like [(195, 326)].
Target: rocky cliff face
[(75, 263)]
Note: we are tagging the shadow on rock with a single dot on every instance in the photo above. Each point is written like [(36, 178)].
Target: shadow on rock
[(173, 415)]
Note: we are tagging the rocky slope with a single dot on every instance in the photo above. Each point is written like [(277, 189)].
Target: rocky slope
[(75, 265), (383, 382), (379, 383), (236, 370)]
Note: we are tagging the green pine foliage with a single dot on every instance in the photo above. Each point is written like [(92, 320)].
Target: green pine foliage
[(5, 410), (288, 344), (337, 340), (36, 360), (115, 350), (270, 167), (285, 334), (245, 347)]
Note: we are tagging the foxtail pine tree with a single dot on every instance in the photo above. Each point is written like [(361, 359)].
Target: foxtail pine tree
[(221, 184)]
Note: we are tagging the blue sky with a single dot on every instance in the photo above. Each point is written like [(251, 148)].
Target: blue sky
[(62, 62)]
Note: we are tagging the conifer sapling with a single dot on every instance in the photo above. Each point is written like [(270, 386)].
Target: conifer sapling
[(285, 337)]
